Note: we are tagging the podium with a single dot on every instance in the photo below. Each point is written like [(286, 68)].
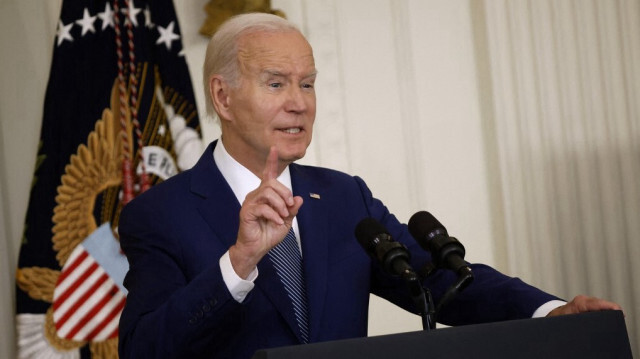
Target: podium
[(594, 335)]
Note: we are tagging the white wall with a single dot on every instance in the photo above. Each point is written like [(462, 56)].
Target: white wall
[(565, 78)]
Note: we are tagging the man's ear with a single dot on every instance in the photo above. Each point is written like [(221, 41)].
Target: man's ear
[(219, 92)]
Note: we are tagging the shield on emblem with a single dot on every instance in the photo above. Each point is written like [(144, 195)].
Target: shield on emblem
[(89, 296)]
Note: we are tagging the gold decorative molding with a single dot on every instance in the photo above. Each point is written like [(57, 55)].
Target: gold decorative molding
[(220, 10)]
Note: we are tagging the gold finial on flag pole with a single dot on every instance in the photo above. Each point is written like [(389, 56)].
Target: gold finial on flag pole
[(220, 10)]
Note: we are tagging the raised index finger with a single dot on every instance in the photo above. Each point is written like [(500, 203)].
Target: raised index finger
[(271, 172), (271, 166)]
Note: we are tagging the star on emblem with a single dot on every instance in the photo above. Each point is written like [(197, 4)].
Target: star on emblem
[(87, 22), (131, 13), (167, 35), (64, 32), (106, 16), (147, 18)]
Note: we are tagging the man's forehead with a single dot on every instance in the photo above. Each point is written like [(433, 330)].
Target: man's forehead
[(277, 47), (275, 72)]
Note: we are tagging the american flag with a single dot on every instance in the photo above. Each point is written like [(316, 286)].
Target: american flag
[(89, 295)]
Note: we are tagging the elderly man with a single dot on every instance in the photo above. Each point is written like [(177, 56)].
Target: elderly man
[(249, 250)]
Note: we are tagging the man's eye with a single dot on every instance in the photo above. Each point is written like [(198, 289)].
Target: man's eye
[(307, 86), (275, 84)]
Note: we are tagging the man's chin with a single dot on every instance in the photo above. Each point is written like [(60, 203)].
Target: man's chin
[(290, 157)]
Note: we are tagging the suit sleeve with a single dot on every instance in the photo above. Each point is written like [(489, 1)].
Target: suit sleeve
[(168, 313), (492, 296)]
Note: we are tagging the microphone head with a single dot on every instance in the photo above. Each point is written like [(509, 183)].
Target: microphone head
[(446, 252), (377, 242), (366, 232), (423, 225)]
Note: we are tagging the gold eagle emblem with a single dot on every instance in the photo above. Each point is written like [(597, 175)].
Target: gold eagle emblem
[(95, 169)]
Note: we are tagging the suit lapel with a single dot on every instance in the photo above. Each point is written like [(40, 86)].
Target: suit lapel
[(208, 183), (312, 222)]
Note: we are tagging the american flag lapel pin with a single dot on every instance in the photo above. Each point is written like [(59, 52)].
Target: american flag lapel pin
[(314, 195)]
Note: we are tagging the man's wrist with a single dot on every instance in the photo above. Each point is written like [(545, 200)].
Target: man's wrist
[(237, 286), (547, 307)]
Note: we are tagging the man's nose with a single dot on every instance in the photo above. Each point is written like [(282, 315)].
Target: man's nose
[(296, 99)]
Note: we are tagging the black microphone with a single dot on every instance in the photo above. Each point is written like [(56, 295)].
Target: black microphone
[(446, 252), (377, 242)]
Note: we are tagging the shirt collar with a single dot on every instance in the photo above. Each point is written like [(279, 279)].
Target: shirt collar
[(240, 179)]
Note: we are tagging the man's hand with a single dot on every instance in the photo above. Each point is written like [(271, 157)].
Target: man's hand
[(265, 218), (583, 303)]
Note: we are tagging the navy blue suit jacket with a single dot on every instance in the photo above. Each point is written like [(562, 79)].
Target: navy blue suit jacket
[(179, 307)]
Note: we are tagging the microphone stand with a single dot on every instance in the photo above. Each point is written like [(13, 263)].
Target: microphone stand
[(465, 277), (422, 299)]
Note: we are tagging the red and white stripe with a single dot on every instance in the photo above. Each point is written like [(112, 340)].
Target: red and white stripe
[(86, 302)]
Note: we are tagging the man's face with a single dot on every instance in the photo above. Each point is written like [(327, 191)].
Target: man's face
[(275, 102)]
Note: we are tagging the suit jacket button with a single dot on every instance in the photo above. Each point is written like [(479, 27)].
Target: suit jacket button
[(199, 314), (213, 302), (206, 308), (193, 320)]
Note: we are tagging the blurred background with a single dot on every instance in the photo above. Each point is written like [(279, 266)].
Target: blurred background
[(515, 122)]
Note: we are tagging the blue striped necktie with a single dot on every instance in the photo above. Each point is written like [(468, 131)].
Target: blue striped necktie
[(287, 260)]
